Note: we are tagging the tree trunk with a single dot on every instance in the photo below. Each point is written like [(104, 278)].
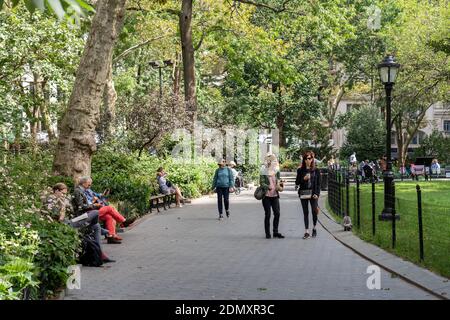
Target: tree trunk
[(280, 125), (34, 125), (188, 62), (46, 120), (109, 106), (45, 115), (276, 88), (333, 104), (176, 75), (77, 129), (400, 143), (34, 111)]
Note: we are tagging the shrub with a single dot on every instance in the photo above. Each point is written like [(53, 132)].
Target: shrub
[(24, 178), (250, 172), (18, 245), (129, 178), (289, 164)]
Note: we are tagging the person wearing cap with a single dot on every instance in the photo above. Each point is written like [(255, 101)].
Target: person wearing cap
[(223, 184), (271, 183)]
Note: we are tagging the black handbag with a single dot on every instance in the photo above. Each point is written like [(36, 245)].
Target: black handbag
[(305, 194), (259, 193)]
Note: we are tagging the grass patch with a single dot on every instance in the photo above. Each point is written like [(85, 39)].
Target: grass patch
[(436, 221)]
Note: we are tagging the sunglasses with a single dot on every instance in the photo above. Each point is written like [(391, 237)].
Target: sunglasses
[(308, 158)]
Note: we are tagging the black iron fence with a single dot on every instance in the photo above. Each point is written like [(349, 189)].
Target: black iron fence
[(417, 230)]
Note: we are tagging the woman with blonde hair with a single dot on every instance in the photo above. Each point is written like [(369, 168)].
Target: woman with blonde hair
[(270, 182)]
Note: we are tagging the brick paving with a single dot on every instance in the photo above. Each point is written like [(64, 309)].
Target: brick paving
[(188, 254)]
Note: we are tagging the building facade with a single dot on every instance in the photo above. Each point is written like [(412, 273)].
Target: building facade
[(437, 117)]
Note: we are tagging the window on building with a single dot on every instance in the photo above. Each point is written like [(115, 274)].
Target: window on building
[(447, 126), (393, 137), (418, 137)]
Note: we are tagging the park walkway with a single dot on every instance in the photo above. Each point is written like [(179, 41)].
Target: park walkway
[(188, 254)]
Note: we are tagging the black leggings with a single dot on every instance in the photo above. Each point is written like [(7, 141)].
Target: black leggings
[(274, 203), (223, 193), (314, 206)]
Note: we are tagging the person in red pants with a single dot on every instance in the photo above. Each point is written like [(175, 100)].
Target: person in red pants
[(107, 213)]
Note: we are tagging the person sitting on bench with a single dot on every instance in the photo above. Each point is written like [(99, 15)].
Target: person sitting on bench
[(107, 213), (166, 187), (59, 207), (368, 172)]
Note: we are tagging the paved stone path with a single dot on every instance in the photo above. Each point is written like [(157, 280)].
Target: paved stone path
[(188, 254)]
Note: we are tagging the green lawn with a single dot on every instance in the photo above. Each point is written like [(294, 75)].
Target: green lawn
[(436, 222)]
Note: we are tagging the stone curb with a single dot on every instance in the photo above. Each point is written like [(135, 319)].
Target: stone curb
[(408, 271)]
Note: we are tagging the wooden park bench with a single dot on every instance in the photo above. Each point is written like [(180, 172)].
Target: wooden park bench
[(419, 170), (157, 198), (447, 171)]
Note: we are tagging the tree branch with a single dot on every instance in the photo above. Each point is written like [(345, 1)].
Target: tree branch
[(137, 9), (213, 29), (201, 41), (262, 5), (145, 145), (137, 46), (171, 11)]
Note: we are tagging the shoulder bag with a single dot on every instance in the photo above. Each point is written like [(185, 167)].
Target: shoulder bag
[(259, 193)]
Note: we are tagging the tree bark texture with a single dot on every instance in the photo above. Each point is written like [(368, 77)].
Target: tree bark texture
[(76, 142), (276, 88), (44, 113), (176, 75), (108, 112), (187, 48)]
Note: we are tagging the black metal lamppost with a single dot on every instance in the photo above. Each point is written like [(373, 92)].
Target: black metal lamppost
[(388, 70), (157, 65)]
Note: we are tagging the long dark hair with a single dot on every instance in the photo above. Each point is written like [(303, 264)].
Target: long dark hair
[(306, 155)]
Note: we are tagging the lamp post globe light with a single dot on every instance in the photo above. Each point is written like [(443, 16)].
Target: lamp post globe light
[(157, 65), (388, 70)]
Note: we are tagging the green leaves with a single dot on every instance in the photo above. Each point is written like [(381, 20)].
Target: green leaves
[(30, 5), (56, 7), (39, 4), (61, 8), (366, 134)]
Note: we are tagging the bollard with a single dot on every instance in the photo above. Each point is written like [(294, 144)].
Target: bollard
[(373, 208), (419, 211), (339, 195), (358, 204), (336, 192), (392, 200), (347, 194), (331, 193)]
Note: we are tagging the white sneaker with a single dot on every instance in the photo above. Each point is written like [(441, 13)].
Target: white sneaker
[(180, 206)]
